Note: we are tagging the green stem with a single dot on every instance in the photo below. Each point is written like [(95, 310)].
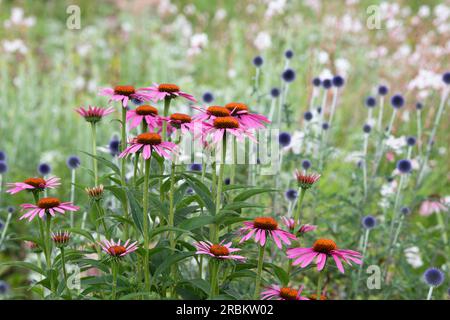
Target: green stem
[(48, 239), (430, 293), (145, 223), (123, 166), (258, 272), (94, 152), (63, 262), (214, 278), (101, 213), (233, 171), (166, 113), (299, 206), (215, 238), (319, 285), (114, 284)]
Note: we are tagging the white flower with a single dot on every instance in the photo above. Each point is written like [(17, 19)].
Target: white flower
[(220, 14), (396, 144), (263, 41), (275, 7), (323, 57), (342, 66), (232, 73), (199, 40), (413, 257), (424, 11), (16, 45)]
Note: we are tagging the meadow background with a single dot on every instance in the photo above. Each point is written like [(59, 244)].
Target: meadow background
[(46, 70)]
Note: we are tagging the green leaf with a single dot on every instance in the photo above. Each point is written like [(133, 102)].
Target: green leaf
[(250, 193), (170, 261), (159, 230), (197, 222), (105, 162), (203, 193), (136, 211), (83, 233), (23, 264)]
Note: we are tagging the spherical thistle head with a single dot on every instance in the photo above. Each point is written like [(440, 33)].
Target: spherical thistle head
[(446, 78), (371, 102), (196, 167), (227, 181), (367, 128), (258, 61), (114, 145), (284, 139), (208, 97), (226, 123), (411, 141), (327, 83), (2, 155), (319, 109), (325, 126), (338, 81), (289, 54), (10, 209), (288, 75), (316, 82), (3, 167), (369, 222), (44, 169), (2, 224), (291, 194), (419, 106), (308, 116), (405, 211), (306, 164), (404, 166), (95, 193), (397, 101), (383, 90), (4, 287), (73, 162), (149, 138), (275, 92), (433, 277)]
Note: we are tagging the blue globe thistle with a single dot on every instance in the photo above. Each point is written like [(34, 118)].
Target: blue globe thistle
[(405, 211), (3, 167), (137, 102), (367, 128), (1, 224), (289, 54), (196, 167), (369, 222), (419, 106), (371, 102), (44, 169), (325, 126), (284, 139), (308, 115), (189, 191), (404, 166), (319, 110), (275, 92), (10, 209), (446, 78), (327, 83), (288, 75), (73, 162), (397, 101), (208, 97), (411, 141), (227, 181), (338, 81), (291, 194), (114, 145), (4, 287), (258, 61), (306, 164), (433, 277), (383, 90), (316, 82), (2, 155)]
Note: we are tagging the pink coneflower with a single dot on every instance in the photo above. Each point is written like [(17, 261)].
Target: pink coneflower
[(46, 205), (61, 238), (219, 251), (124, 94), (211, 112), (290, 223), (305, 180), (183, 122), (117, 250), (161, 91), (34, 184), (321, 250), (275, 292), (263, 227), (434, 204), (94, 114), (144, 112), (224, 125), (147, 143), (246, 119)]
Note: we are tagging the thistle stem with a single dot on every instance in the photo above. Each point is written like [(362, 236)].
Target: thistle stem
[(430, 293), (5, 229), (72, 196)]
